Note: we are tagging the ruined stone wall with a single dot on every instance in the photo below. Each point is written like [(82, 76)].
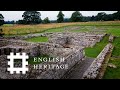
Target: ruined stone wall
[(3, 43), (71, 55), (79, 39), (71, 59), (94, 69)]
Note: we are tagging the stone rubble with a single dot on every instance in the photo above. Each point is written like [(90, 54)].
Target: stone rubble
[(68, 45)]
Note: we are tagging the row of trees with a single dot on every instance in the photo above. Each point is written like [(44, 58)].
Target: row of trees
[(33, 17)]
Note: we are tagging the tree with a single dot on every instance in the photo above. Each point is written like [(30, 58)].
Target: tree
[(60, 17), (1, 19), (20, 22), (1, 23), (92, 18), (31, 17), (116, 15), (100, 16), (46, 20), (76, 16)]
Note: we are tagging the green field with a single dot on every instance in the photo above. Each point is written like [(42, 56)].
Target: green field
[(112, 27), (37, 39), (116, 50), (114, 73)]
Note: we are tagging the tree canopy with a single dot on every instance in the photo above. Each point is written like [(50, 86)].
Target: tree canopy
[(1, 19), (31, 17), (76, 16), (1, 23), (46, 20), (60, 17)]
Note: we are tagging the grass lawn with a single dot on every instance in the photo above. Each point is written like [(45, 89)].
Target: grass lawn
[(94, 51), (55, 30), (113, 73), (37, 39), (116, 50), (114, 30)]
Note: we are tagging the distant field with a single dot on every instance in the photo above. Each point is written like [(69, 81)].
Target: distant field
[(107, 26)]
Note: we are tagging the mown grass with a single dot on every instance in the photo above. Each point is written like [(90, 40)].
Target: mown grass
[(113, 73), (114, 30), (95, 50), (116, 50), (37, 39), (55, 30)]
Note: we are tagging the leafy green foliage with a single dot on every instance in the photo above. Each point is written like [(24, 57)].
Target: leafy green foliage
[(31, 17), (76, 17), (60, 17), (46, 20)]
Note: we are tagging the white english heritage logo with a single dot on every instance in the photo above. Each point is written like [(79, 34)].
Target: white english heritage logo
[(13, 69)]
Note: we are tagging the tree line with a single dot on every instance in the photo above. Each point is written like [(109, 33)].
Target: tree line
[(34, 17)]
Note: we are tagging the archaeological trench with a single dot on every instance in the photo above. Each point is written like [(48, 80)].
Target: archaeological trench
[(68, 45)]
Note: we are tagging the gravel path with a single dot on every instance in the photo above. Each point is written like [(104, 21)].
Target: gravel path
[(78, 70)]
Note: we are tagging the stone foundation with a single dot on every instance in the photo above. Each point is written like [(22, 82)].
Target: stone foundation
[(67, 45), (94, 69)]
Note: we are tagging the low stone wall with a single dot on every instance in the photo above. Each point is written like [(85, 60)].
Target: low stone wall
[(94, 69), (3, 43), (70, 60), (79, 39), (111, 38)]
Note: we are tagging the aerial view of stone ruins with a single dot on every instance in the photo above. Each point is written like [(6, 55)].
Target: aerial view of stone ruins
[(71, 42)]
